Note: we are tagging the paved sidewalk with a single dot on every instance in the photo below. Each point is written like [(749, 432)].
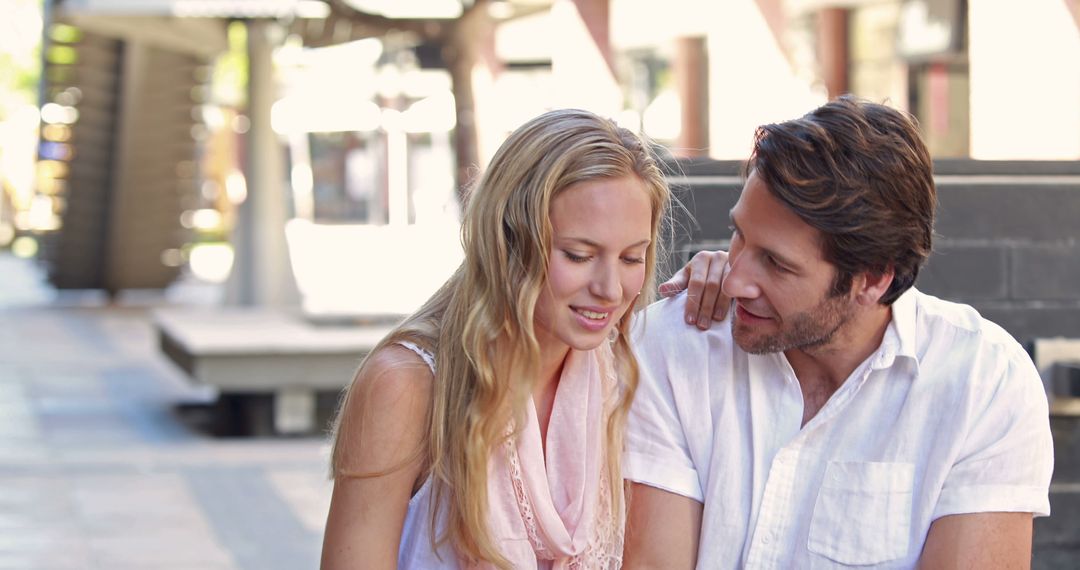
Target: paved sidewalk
[(99, 470)]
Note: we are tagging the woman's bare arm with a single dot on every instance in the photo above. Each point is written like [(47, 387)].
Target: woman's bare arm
[(383, 434)]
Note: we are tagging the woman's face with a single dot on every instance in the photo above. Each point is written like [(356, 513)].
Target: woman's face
[(601, 230)]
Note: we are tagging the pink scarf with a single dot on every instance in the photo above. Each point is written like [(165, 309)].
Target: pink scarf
[(559, 515)]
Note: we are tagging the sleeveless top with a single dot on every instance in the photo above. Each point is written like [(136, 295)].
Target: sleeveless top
[(594, 533), (415, 552)]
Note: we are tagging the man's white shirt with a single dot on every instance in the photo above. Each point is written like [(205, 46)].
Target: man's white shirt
[(948, 416)]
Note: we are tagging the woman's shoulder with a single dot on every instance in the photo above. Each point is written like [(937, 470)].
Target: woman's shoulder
[(394, 371), (384, 416)]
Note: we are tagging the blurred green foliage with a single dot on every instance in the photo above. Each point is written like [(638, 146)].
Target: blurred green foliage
[(18, 82), (230, 73), (19, 74)]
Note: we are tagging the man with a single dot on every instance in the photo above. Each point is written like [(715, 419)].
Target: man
[(839, 417)]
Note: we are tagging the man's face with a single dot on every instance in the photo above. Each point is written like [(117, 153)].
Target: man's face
[(779, 278)]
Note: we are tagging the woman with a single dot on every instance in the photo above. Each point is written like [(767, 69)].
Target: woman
[(486, 430)]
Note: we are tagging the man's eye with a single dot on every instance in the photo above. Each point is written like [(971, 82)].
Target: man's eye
[(776, 264)]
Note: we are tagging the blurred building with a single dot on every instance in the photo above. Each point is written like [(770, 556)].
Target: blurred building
[(172, 121), (988, 80), (120, 143)]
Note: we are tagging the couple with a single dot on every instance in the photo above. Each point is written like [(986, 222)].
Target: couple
[(838, 418)]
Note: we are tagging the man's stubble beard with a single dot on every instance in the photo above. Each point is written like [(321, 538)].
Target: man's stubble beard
[(807, 330)]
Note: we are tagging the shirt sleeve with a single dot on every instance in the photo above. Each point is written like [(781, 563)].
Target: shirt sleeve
[(1007, 458), (657, 451)]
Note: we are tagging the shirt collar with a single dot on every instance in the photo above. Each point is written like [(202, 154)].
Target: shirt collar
[(899, 339)]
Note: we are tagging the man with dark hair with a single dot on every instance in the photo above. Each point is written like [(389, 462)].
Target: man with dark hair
[(839, 417)]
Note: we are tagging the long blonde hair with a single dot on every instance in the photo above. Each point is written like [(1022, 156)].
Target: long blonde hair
[(480, 326)]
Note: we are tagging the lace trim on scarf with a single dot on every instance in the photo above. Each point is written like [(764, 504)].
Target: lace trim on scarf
[(605, 548), (604, 551), (524, 504)]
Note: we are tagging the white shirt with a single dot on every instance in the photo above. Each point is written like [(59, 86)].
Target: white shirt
[(948, 416)]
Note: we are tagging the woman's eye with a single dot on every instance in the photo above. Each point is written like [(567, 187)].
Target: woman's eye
[(633, 260), (575, 257)]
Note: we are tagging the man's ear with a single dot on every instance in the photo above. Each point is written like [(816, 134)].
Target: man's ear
[(868, 287)]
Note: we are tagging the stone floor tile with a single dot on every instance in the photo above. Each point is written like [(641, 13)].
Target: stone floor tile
[(154, 551), (306, 492), (99, 471)]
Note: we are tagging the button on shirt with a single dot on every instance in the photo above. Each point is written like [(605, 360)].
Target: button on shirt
[(948, 416)]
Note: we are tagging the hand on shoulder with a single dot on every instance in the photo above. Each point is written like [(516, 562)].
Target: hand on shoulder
[(702, 278)]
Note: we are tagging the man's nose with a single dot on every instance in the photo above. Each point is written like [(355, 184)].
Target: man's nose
[(740, 282)]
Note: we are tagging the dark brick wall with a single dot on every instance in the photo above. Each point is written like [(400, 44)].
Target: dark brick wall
[(1008, 237)]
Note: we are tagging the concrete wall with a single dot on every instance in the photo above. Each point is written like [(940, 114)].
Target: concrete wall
[(1008, 237)]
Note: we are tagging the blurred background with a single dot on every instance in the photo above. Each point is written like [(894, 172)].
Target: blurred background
[(211, 209)]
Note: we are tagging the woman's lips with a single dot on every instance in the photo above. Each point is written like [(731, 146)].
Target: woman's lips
[(593, 318)]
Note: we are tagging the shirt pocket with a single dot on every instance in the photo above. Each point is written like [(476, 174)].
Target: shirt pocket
[(863, 512)]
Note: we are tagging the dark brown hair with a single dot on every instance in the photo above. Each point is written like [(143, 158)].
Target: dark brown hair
[(858, 172)]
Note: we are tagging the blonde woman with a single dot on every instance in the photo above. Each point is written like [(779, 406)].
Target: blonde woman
[(486, 430)]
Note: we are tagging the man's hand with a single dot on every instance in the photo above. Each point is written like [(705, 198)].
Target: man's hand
[(701, 278)]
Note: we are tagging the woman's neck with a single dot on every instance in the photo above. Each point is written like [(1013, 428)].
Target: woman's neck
[(547, 384)]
